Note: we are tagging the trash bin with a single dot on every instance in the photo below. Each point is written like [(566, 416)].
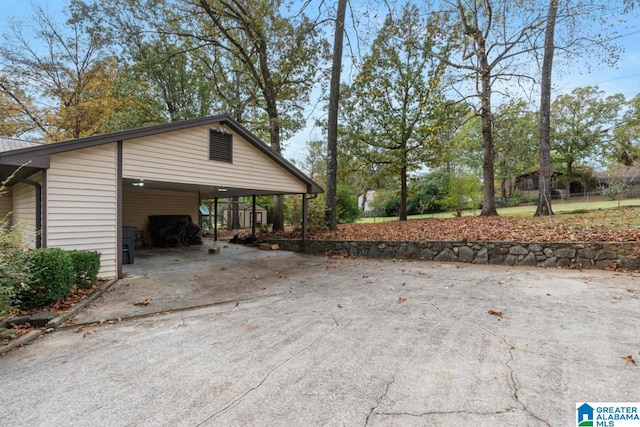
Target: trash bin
[(128, 244)]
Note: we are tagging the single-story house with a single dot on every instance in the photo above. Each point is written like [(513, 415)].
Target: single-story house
[(530, 181), (79, 194)]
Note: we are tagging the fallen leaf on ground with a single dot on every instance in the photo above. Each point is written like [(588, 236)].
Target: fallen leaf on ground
[(401, 300), (79, 329), (91, 332), (477, 228), (143, 302), (630, 359), (495, 312)]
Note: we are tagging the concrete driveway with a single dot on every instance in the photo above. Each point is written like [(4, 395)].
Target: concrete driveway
[(281, 339)]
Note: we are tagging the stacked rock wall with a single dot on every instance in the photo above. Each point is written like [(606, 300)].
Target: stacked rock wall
[(599, 255)]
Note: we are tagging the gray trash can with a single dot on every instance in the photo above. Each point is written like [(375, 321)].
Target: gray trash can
[(128, 244)]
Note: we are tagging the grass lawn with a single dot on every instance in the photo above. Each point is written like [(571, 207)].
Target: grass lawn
[(577, 205)]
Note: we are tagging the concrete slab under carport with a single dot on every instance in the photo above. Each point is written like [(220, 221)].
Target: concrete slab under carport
[(293, 339), (185, 277), (165, 260)]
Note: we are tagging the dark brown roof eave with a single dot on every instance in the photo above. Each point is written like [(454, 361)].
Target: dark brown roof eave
[(39, 156)]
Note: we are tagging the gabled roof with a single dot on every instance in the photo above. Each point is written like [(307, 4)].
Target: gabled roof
[(37, 157), (9, 144)]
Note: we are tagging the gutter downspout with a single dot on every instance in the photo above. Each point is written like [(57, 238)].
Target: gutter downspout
[(38, 189)]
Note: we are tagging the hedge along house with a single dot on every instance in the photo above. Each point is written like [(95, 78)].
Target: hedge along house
[(79, 194)]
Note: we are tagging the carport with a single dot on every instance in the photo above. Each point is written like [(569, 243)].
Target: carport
[(79, 194)]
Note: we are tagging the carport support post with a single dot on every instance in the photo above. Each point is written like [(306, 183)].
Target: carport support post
[(210, 214), (215, 219)]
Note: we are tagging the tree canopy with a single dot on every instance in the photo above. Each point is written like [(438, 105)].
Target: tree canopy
[(394, 107)]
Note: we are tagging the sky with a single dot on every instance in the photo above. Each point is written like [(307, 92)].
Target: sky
[(623, 78)]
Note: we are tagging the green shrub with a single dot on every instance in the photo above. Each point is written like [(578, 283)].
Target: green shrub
[(86, 265), (385, 203), (315, 212), (347, 209), (14, 274), (429, 193), (52, 277)]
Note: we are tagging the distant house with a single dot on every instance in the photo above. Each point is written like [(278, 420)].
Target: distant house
[(83, 193), (530, 181), (629, 178)]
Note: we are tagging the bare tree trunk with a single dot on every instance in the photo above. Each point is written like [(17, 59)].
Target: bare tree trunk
[(331, 218), (235, 223), (544, 183), (483, 73), (569, 179), (274, 139), (402, 215), (488, 175)]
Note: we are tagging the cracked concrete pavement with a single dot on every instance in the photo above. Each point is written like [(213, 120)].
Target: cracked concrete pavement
[(250, 337)]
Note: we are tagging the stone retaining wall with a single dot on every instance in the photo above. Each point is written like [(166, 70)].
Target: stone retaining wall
[(599, 255)]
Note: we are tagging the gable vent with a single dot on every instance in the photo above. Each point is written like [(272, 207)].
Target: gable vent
[(220, 146)]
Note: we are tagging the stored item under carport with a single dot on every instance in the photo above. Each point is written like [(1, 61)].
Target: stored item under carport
[(173, 230), (128, 244)]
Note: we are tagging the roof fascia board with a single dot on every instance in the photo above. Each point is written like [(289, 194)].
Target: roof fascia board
[(37, 161)]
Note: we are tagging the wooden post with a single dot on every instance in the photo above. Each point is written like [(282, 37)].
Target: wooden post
[(215, 219), (210, 214)]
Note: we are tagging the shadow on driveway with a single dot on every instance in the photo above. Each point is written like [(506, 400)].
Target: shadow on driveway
[(172, 279)]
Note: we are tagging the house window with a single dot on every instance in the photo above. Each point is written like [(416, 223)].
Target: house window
[(220, 146), (528, 184)]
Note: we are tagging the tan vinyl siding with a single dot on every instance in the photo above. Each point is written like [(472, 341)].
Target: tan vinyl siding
[(5, 203), (82, 203), (140, 202), (183, 156), (23, 204)]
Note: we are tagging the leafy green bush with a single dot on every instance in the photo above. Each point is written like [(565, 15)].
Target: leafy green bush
[(14, 274), (52, 277), (385, 203), (86, 265), (347, 209), (315, 212), (429, 193)]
